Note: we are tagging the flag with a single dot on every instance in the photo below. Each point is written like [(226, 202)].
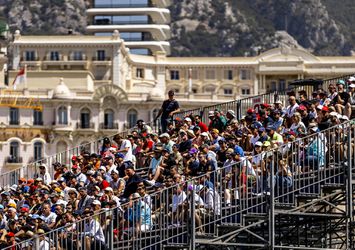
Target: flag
[(20, 77)]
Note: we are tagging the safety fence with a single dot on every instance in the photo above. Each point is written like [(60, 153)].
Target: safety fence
[(178, 214), (239, 107)]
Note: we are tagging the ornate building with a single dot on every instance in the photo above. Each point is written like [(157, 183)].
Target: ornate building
[(91, 86)]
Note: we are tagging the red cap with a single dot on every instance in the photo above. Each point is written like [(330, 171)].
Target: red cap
[(325, 108), (302, 107), (250, 111), (25, 209), (10, 234), (75, 166), (73, 158), (265, 105)]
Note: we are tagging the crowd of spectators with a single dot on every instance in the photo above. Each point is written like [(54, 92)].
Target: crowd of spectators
[(129, 169)]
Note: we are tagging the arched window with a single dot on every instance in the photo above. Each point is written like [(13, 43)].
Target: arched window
[(85, 118), (109, 117), (132, 117), (38, 150), (14, 152), (62, 115)]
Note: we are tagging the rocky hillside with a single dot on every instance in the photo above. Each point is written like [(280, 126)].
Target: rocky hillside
[(214, 27)]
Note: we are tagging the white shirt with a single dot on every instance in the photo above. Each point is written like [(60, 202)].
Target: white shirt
[(128, 155), (178, 199), (50, 218), (213, 201), (254, 139), (94, 229), (290, 110)]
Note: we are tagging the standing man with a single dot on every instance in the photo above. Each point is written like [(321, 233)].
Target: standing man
[(167, 111)]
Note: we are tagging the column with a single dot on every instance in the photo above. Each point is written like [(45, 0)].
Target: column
[(256, 85)]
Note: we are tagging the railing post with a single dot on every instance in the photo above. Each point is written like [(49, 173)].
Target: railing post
[(272, 206), (111, 236), (192, 219), (349, 193)]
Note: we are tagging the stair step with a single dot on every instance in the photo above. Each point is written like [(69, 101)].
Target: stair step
[(284, 206), (307, 196)]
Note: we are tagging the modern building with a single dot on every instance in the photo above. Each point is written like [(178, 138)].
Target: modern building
[(143, 24), (91, 86)]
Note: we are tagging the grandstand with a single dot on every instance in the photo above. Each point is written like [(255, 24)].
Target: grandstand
[(288, 200)]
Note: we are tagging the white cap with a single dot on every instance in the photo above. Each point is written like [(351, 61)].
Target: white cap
[(188, 119), (352, 85), (204, 134), (320, 107), (112, 149), (314, 129), (166, 134), (109, 189), (344, 117), (352, 79), (96, 202), (333, 113), (258, 143), (211, 113), (102, 168), (278, 102)]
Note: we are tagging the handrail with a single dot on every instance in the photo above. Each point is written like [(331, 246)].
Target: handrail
[(249, 200)]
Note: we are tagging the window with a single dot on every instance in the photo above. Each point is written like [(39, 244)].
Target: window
[(54, 56), (244, 74), (108, 119), (132, 36), (132, 117), (140, 73), (228, 74), (14, 116), (273, 86), (63, 115), (101, 55), (37, 117), (282, 84), (77, 56), (245, 91), (85, 118), (194, 91), (174, 75), (210, 74), (228, 91), (30, 55), (14, 152), (38, 150)]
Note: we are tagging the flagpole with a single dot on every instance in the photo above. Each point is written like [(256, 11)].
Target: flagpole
[(25, 76)]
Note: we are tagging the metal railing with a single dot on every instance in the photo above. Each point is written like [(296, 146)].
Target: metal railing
[(239, 106), (254, 186)]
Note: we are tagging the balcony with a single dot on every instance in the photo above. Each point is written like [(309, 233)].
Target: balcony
[(90, 126), (102, 61), (62, 126), (12, 159), (113, 126)]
